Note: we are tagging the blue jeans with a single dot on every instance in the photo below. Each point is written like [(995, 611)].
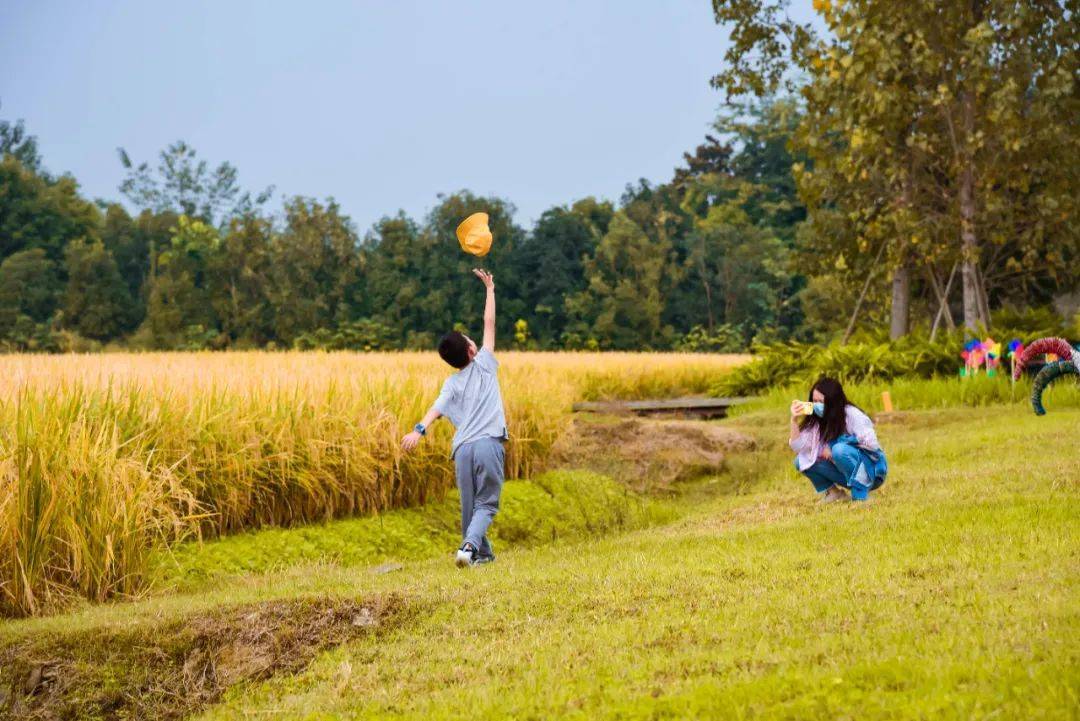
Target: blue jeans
[(850, 467)]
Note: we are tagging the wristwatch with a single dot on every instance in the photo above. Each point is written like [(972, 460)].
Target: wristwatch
[(419, 428)]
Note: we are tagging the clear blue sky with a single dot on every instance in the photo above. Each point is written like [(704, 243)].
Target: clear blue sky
[(381, 104)]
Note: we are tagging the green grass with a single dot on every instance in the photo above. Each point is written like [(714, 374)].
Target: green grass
[(923, 394), (556, 505), (953, 595)]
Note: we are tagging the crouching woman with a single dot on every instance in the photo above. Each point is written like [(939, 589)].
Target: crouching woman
[(836, 446)]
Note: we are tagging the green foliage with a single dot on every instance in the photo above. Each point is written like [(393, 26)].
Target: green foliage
[(242, 276), (1027, 324), (16, 142), (417, 280), (96, 300), (910, 394), (623, 305), (37, 211), (549, 263), (871, 358), (365, 334), (558, 505), (24, 335), (725, 245), (933, 136), (182, 183), (28, 287), (180, 288), (800, 363), (315, 268), (722, 339), (742, 211)]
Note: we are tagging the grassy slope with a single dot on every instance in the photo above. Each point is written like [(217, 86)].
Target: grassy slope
[(954, 595)]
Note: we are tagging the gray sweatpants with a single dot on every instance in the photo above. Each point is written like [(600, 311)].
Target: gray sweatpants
[(479, 466)]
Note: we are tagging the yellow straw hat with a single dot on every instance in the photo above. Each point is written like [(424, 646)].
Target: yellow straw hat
[(474, 234)]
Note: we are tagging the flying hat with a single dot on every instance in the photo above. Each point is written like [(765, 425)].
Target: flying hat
[(474, 234)]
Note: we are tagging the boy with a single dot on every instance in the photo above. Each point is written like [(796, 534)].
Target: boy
[(471, 400)]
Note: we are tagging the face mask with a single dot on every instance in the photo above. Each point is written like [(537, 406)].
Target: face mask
[(819, 410)]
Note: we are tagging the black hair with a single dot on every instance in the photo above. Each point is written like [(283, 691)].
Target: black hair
[(834, 422), (454, 349)]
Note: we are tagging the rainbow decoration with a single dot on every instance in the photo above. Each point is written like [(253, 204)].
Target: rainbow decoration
[(1056, 347), (1053, 348), (1049, 373)]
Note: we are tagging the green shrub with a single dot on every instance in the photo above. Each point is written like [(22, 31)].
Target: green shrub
[(724, 338), (789, 363), (1027, 324), (799, 364), (364, 334)]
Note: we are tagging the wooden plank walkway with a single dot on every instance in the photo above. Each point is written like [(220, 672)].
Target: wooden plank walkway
[(679, 407)]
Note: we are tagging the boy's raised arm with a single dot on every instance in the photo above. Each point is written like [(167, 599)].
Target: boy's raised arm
[(489, 308)]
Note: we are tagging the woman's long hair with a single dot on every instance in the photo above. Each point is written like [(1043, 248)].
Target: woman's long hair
[(834, 423)]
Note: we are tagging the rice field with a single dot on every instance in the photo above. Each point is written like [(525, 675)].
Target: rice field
[(105, 457)]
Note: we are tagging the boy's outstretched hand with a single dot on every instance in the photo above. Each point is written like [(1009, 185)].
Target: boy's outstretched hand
[(485, 277)]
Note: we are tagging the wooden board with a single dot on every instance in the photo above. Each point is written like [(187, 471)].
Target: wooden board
[(696, 407)]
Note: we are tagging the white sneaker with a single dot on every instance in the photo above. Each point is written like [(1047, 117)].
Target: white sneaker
[(835, 493), (465, 556)]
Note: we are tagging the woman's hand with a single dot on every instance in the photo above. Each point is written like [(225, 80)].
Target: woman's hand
[(410, 441), (796, 406), (826, 452), (795, 430)]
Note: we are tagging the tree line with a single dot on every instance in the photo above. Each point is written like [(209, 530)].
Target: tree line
[(701, 262), (914, 170)]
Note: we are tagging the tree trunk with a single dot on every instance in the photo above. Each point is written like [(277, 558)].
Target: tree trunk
[(984, 299), (969, 244), (901, 283), (901, 302), (708, 294)]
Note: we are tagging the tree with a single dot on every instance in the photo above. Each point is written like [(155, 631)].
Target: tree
[(242, 273), (28, 289), (315, 261), (449, 284), (742, 210), (760, 134), (393, 260), (921, 125), (37, 212), (134, 243), (417, 279), (622, 307), (710, 158), (550, 263), (180, 306), (184, 184), (16, 142), (96, 300)]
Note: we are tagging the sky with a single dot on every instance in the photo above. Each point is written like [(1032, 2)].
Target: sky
[(380, 104)]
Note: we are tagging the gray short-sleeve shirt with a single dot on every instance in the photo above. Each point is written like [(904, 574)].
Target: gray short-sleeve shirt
[(471, 400)]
